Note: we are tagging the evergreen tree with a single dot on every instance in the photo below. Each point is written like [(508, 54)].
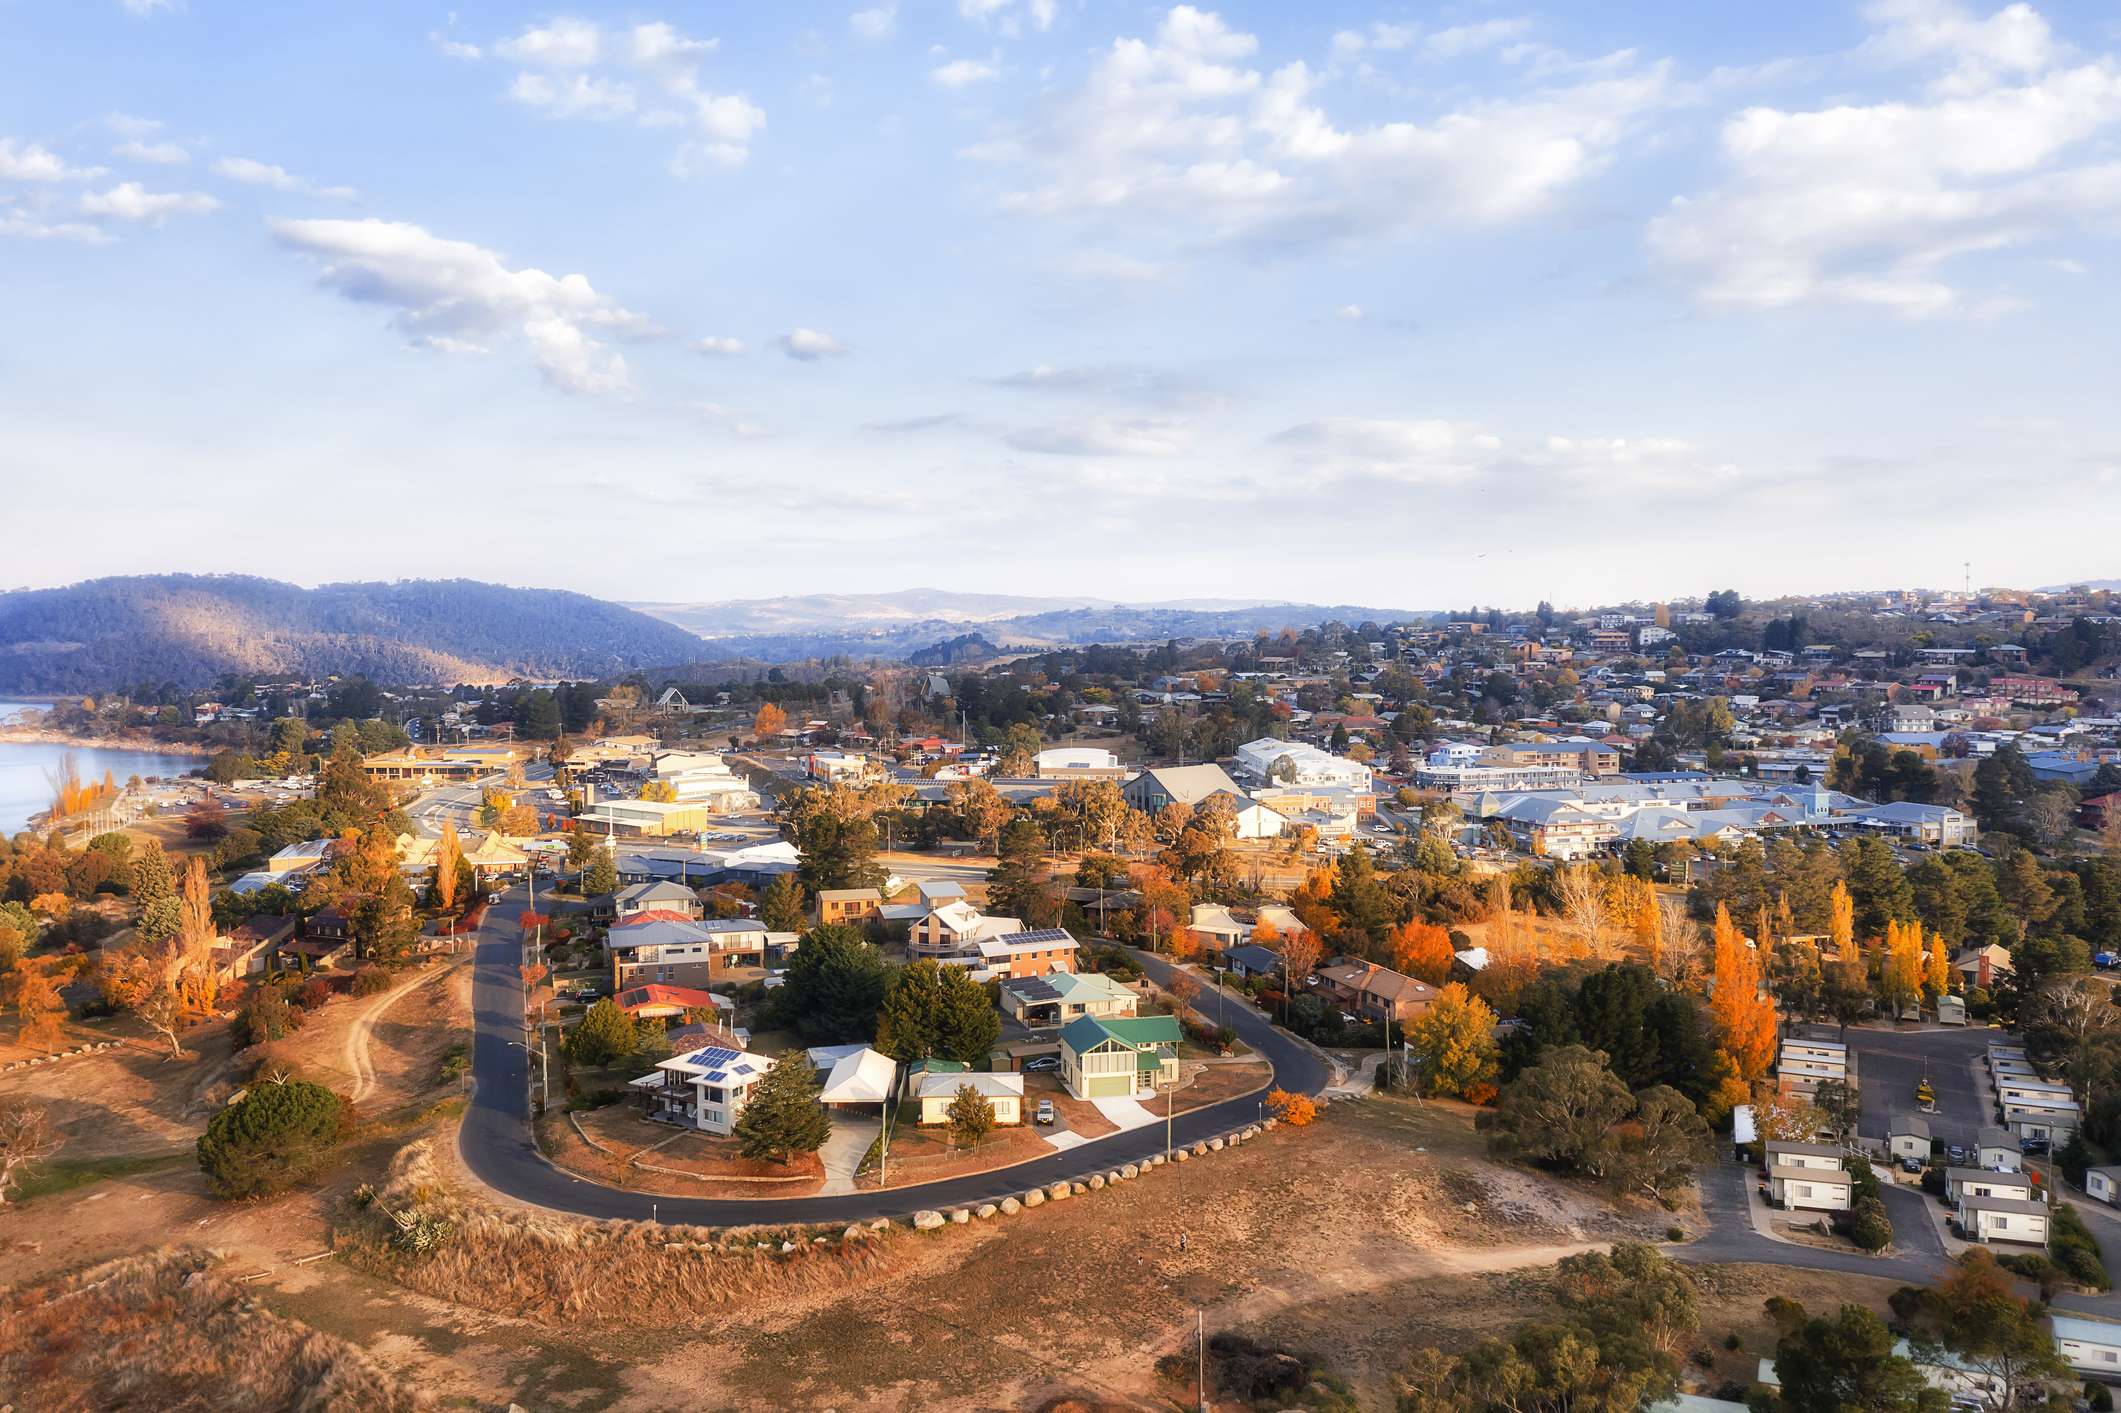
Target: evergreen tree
[(834, 988), (970, 1116), (783, 1118), (604, 1035), (275, 1136), (154, 889), (781, 908), (602, 874), (1017, 886)]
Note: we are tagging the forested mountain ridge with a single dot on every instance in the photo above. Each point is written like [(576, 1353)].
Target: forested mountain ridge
[(188, 629)]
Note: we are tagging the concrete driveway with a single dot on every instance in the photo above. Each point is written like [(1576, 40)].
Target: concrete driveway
[(1127, 1113), (844, 1149)]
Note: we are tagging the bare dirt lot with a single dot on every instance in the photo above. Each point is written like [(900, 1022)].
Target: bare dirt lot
[(672, 1161)]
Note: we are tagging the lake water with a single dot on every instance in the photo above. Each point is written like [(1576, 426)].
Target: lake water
[(25, 766)]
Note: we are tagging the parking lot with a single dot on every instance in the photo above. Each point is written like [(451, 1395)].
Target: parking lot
[(1889, 1064)]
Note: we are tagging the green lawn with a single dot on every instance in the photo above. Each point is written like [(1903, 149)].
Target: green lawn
[(65, 1177)]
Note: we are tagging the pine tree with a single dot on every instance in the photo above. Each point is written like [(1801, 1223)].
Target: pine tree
[(783, 1118), (602, 874), (155, 891), (781, 907), (971, 1117)]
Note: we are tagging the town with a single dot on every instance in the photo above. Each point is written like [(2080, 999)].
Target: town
[(1669, 940)]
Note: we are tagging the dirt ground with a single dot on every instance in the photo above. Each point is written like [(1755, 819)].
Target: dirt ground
[(695, 1158), (1202, 1084), (385, 1050), (130, 1101), (1380, 1228)]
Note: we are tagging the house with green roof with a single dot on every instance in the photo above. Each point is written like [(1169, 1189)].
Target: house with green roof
[(1117, 1057), (1059, 997)]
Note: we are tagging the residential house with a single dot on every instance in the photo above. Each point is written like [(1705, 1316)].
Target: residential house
[(1252, 960), (2039, 1118), (655, 1001), (1982, 966), (1807, 1061), (1372, 992), (1078, 763), (676, 899), (1017, 955), (2103, 1185), (1250, 819), (1268, 760), (1215, 928), (680, 951), (2090, 1347), (1808, 1177), (247, 949), (848, 905), (1908, 1136), (2014, 1219), (1059, 997), (706, 1088), (1997, 1150), (1981, 1182), (1119, 1057), (1002, 1090), (954, 931), (493, 856)]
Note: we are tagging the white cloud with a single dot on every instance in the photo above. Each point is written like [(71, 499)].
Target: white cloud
[(1349, 312), (1418, 451), (1460, 40), (1105, 436), (453, 296), (874, 24), (722, 347), (151, 7), (648, 74), (1042, 13), (808, 345), (1110, 265), (563, 44), (962, 73), (1179, 135), (980, 9), (454, 48), (24, 225), (251, 172), (160, 154), (28, 162), (129, 201), (1869, 203), (1439, 452)]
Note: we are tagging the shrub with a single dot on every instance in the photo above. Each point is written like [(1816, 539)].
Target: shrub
[(1933, 1181), (2100, 1396), (266, 1017), (2036, 1268), (1296, 1110), (275, 1136), (1225, 1038), (371, 981), (1675, 1233), (1868, 1226), (314, 993), (2072, 1248)]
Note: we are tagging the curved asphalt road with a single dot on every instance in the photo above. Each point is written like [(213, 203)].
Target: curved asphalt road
[(496, 1145)]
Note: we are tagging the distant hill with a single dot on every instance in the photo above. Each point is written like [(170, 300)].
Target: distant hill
[(189, 629), (916, 624)]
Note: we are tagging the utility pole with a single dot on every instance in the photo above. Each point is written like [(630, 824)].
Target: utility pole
[(1200, 1361)]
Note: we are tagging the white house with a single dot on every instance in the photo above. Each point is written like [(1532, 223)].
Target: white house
[(1998, 1150), (1908, 1136), (1808, 1177), (853, 1075), (1299, 764), (2088, 1346), (1980, 1182), (706, 1088), (2052, 1120), (1004, 1091), (955, 930), (2103, 1185), (1251, 819), (1987, 1219), (1061, 762)]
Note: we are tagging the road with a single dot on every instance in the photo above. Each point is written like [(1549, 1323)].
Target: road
[(496, 1145)]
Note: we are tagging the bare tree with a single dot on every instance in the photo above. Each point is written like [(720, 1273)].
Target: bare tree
[(1582, 895), (2082, 1008), (27, 1138), (1678, 946), (162, 1010)]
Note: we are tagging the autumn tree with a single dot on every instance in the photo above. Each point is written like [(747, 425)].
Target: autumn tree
[(1422, 950), (1901, 969), (1745, 1020), (1583, 903), (198, 978), (770, 722), (1300, 953), (1454, 1044), (32, 990), (449, 859), (27, 1139)]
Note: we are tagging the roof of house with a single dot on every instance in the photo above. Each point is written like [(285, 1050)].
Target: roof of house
[(1832, 1177), (850, 895), (1254, 957), (1045, 939), (1988, 1175), (1135, 1032), (1911, 1125), (1190, 784), (1072, 988), (716, 1064), (863, 1077), (991, 1084), (2016, 1206), (657, 892), (1807, 1150), (655, 993), (2085, 1331), (1374, 980), (1992, 1137), (1214, 917)]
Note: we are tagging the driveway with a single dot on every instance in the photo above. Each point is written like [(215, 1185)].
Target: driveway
[(844, 1150), (1127, 1113)]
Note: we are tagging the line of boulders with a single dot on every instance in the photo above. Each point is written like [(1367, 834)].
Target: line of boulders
[(91, 1048), (931, 1219)]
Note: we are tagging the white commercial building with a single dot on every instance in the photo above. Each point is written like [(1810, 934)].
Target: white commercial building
[(1304, 765)]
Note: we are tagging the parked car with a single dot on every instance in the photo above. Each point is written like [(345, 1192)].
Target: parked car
[(1911, 1165), (1957, 1154), (2034, 1145), (1046, 1113), (492, 899), (1039, 1063)]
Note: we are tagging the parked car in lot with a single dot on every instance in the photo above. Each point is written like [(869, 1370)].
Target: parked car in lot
[(1038, 1063), (2034, 1145), (1957, 1154), (1046, 1113), (1911, 1165)]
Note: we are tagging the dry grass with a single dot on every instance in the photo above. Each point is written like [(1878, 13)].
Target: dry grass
[(159, 1331), (543, 1266)]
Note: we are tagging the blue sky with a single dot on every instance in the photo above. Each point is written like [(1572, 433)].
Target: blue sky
[(1409, 305)]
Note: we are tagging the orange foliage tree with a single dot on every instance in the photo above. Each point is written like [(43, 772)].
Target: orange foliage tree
[(1295, 1110), (1422, 950), (1745, 1020), (770, 722)]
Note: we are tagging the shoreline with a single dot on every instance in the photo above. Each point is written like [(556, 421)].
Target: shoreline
[(44, 736)]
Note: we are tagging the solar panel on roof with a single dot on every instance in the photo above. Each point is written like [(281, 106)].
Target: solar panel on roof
[(1044, 934), (745, 1069), (715, 1056), (714, 1076), (1037, 988)]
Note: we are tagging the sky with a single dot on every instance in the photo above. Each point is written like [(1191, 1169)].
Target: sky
[(1414, 306)]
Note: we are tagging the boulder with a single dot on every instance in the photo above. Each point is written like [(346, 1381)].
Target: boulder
[(1059, 1191), (1180, 1156), (959, 1216), (1128, 1170), (1034, 1197), (1080, 1189), (852, 1234), (927, 1220), (1097, 1181), (1252, 1132), (1215, 1145), (1010, 1206), (1268, 1125), (984, 1210), (880, 1224)]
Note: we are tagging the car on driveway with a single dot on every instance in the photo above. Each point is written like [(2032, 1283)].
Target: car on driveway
[(1046, 1113), (1957, 1154), (1911, 1165), (1040, 1063)]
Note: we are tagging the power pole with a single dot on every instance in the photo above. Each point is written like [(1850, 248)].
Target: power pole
[(1200, 1361)]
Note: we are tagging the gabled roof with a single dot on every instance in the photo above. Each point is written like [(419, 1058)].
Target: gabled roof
[(1135, 1032)]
